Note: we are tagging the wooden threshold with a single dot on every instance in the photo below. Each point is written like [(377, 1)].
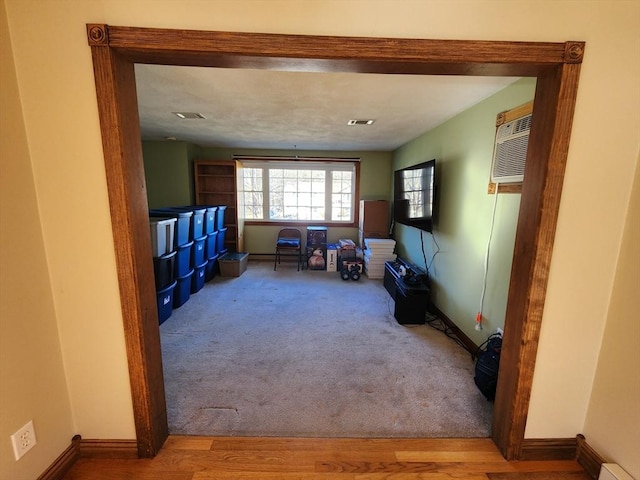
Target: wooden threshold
[(191, 458)]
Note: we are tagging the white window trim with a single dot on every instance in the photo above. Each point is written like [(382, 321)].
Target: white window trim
[(293, 163)]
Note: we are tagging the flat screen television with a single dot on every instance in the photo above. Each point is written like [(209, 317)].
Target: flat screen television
[(414, 195)]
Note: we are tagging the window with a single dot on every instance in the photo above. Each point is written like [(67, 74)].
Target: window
[(293, 191), (252, 191), (414, 184)]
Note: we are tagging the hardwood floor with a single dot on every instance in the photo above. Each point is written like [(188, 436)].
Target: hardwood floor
[(244, 458)]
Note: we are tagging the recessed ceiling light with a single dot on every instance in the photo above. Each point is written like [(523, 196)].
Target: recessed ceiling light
[(189, 115), (360, 122)]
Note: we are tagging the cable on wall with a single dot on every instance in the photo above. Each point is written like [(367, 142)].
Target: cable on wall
[(486, 260), (427, 265)]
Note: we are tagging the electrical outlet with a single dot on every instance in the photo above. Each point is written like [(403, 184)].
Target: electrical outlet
[(500, 332), (23, 440)]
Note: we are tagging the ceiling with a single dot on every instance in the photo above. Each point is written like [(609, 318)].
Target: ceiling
[(265, 109)]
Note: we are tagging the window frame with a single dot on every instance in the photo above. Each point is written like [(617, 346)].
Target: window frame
[(271, 162)]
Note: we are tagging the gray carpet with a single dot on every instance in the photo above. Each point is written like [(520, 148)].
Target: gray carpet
[(290, 353)]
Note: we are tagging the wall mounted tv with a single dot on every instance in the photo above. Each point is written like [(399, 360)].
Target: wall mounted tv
[(414, 195)]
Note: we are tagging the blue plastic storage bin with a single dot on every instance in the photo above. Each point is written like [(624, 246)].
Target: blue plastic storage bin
[(197, 221), (182, 291), (183, 259), (222, 235), (197, 251), (209, 219), (163, 269), (211, 246), (220, 217), (210, 270), (164, 300), (198, 278), (196, 225)]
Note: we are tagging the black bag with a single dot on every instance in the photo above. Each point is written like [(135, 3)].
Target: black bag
[(487, 363)]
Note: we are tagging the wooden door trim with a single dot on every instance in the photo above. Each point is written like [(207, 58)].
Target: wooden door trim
[(116, 49)]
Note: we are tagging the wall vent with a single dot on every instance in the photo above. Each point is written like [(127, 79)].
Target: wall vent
[(510, 150), (190, 115), (360, 122)]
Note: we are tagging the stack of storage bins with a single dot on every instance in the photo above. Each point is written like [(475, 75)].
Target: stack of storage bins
[(198, 258), (191, 278), (211, 245), (183, 247), (211, 242), (221, 229), (184, 262), (162, 244)]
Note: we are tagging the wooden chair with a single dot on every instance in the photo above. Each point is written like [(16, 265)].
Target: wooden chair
[(289, 241)]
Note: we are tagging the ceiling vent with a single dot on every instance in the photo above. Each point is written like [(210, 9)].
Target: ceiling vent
[(360, 122), (510, 150), (189, 115)]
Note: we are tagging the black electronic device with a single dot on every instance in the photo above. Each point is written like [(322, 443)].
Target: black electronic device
[(408, 287), (487, 366), (414, 195)]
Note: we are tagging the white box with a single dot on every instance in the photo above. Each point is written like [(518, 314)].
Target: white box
[(332, 257)]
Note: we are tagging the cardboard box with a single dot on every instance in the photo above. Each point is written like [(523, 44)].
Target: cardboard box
[(374, 216), (316, 236), (332, 257), (233, 264)]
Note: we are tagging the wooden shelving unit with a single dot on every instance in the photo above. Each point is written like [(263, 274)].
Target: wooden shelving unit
[(216, 184)]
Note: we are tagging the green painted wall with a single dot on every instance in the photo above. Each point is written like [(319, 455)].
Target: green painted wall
[(168, 170), (169, 176), (463, 148)]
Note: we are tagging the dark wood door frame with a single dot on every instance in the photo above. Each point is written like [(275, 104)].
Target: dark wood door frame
[(556, 66)]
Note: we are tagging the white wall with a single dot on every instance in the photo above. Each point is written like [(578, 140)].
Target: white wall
[(33, 384), (55, 79), (613, 418)]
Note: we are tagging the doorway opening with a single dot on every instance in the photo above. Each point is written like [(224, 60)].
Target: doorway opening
[(556, 66)]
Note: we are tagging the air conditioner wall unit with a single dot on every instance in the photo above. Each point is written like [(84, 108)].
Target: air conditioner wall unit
[(510, 150)]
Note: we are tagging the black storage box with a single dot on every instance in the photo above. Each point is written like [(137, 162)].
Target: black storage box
[(316, 236), (163, 269)]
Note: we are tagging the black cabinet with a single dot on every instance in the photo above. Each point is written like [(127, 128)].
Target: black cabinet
[(408, 287)]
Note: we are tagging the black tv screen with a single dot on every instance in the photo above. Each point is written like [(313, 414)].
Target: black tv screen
[(414, 195)]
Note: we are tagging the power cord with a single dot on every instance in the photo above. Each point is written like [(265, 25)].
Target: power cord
[(486, 261), (437, 323), (424, 255), (434, 253)]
